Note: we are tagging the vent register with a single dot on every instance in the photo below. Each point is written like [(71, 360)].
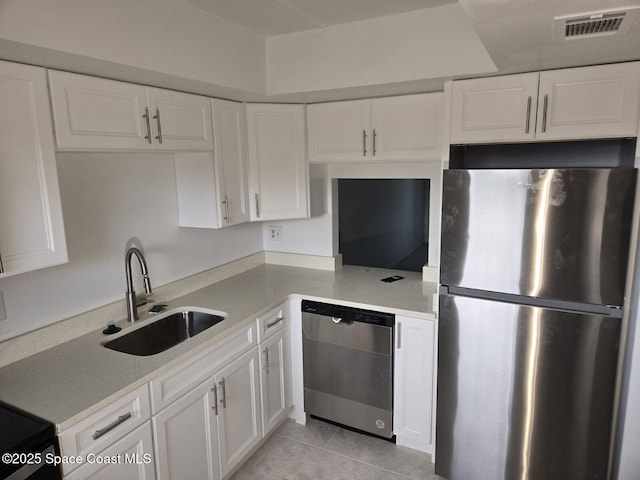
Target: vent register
[(594, 24)]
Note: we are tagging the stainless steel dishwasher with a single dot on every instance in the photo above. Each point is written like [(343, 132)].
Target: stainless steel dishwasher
[(348, 366)]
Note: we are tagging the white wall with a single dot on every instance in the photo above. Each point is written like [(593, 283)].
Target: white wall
[(166, 36), (107, 198), (424, 44)]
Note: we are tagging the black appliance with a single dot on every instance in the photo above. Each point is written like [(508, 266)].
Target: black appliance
[(26, 442)]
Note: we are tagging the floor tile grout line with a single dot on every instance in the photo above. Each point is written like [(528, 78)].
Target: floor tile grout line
[(343, 455)]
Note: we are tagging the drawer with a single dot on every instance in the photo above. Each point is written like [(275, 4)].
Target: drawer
[(271, 322), (95, 433), (134, 459), (169, 386)]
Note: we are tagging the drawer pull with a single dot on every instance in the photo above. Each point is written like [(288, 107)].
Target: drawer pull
[(111, 426), (275, 322)]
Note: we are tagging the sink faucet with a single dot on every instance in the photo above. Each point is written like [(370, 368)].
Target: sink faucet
[(132, 307)]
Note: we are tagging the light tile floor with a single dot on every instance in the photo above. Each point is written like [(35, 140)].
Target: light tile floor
[(320, 450)]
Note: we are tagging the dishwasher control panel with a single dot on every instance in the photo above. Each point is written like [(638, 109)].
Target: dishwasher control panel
[(348, 314)]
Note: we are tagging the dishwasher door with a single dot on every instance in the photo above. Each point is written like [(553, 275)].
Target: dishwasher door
[(348, 370)]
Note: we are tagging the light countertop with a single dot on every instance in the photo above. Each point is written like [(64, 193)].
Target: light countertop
[(69, 382)]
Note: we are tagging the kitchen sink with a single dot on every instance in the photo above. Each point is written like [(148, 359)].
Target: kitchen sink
[(164, 333)]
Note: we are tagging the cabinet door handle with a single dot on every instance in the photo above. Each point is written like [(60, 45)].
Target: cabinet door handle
[(1, 266), (544, 113), (374, 142), (526, 130), (364, 143), (257, 205), (266, 364), (399, 335), (148, 122), (223, 401), (157, 119), (121, 419), (225, 202), (215, 399)]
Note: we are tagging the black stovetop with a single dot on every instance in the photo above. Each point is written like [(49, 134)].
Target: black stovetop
[(21, 432)]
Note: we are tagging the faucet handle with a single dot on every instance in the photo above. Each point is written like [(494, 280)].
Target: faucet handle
[(143, 300)]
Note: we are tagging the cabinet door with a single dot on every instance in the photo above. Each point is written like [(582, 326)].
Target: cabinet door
[(589, 102), (31, 227), (129, 458), (230, 153), (339, 131), (197, 190), (239, 423), (96, 114), (180, 121), (413, 383), (497, 109), (407, 127), (186, 437), (277, 162), (274, 387)]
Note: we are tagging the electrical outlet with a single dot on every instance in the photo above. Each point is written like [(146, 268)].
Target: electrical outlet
[(276, 232), (3, 311)]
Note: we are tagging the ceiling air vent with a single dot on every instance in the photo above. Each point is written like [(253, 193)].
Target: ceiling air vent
[(594, 24)]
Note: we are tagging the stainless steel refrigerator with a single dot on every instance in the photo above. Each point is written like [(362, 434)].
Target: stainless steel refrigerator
[(533, 271)]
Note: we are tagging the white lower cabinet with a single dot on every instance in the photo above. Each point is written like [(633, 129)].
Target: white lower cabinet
[(274, 383), (186, 437), (413, 383), (129, 458), (207, 416), (238, 410), (109, 426)]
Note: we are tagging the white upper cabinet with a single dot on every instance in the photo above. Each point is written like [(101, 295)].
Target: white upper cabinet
[(230, 153), (277, 162), (213, 191), (179, 121), (31, 226), (498, 109), (93, 113), (338, 131), (576, 103), (589, 102), (407, 127), (96, 114), (383, 129)]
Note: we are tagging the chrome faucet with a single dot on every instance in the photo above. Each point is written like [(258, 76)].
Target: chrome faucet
[(132, 304)]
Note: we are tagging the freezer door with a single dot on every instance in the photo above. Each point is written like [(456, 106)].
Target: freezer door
[(523, 392), (556, 233)]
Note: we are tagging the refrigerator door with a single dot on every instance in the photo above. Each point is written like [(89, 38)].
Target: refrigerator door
[(523, 392), (556, 233)]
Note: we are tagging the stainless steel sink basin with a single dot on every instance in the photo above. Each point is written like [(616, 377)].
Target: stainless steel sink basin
[(164, 333)]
